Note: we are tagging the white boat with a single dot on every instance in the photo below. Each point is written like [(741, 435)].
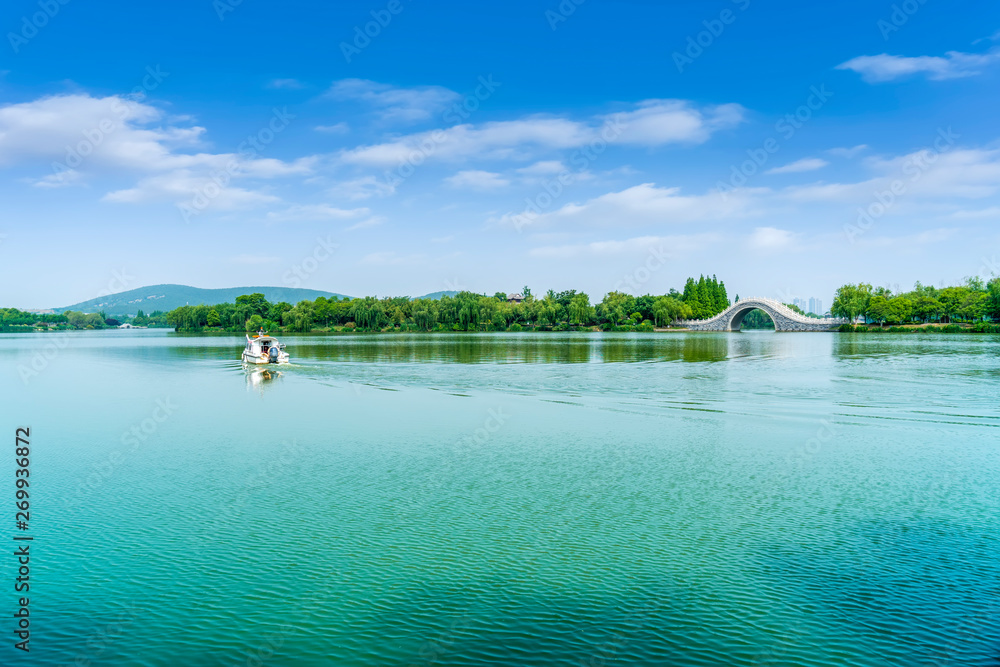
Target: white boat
[(264, 349)]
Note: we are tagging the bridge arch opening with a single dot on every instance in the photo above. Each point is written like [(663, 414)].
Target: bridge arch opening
[(752, 318)]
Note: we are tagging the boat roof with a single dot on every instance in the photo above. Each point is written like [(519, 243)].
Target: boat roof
[(261, 338)]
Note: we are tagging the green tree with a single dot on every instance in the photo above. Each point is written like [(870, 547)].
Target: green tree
[(926, 308), (565, 297), (615, 307), (900, 309), (425, 315), (974, 306), (467, 310), (504, 314), (880, 309), (368, 312), (275, 311), (548, 311), (992, 304), (298, 318), (851, 301), (951, 300), (487, 310), (255, 302), (579, 309), (723, 297), (667, 310)]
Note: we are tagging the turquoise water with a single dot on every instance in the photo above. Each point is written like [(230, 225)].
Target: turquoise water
[(563, 499)]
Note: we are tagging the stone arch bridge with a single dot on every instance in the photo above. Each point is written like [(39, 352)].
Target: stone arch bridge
[(784, 318)]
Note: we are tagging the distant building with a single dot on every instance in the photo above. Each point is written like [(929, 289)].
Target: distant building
[(810, 305), (515, 298), (41, 311)]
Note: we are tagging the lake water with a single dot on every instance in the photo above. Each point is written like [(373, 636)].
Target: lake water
[(512, 499)]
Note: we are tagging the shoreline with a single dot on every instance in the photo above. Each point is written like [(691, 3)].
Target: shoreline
[(979, 328)]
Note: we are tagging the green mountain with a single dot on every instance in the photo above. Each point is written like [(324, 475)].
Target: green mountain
[(435, 295), (168, 297)]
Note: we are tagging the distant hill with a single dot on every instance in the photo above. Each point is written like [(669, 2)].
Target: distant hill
[(168, 297), (436, 295)]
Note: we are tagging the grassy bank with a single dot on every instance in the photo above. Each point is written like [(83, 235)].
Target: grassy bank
[(978, 327)]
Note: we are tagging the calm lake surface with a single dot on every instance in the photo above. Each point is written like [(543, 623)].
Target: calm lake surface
[(511, 499)]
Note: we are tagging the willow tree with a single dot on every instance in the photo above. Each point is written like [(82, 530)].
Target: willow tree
[(579, 309), (667, 310)]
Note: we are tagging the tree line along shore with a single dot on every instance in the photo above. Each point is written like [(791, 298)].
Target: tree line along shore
[(465, 311), (973, 306)]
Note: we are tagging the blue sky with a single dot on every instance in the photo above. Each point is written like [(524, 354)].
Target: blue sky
[(785, 147)]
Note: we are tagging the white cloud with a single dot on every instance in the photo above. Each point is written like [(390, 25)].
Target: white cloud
[(885, 67), (394, 104), (805, 164), (543, 168), (497, 140), (59, 179), (923, 175), (670, 244), (336, 128), (833, 192), (364, 187), (848, 152), (82, 130), (658, 122), (925, 184), (77, 137), (317, 212), (181, 185), (639, 205), (771, 238), (982, 214), (964, 173), (992, 38), (546, 171), (373, 221), (477, 180), (651, 123), (285, 84), (186, 185), (271, 168)]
